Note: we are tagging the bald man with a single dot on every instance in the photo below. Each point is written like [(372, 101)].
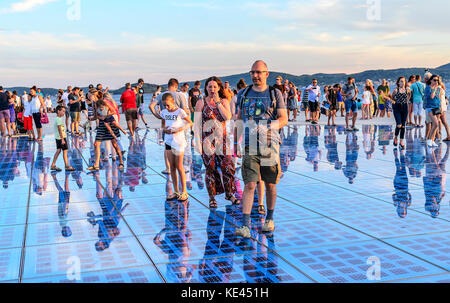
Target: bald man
[(265, 106)]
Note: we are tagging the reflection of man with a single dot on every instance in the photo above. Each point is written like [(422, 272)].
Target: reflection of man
[(259, 102), (351, 167)]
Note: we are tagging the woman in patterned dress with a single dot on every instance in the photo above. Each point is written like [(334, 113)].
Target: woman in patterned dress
[(215, 111)]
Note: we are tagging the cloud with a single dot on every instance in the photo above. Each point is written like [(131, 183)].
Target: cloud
[(24, 6)]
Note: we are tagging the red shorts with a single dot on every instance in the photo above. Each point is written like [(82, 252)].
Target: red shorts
[(28, 123)]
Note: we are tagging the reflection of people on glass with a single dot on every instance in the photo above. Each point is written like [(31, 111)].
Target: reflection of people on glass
[(385, 135), (212, 269), (134, 165), (415, 153), (352, 148), (435, 179), (40, 170), (111, 201), (369, 140), (63, 204), (174, 240), (197, 173), (401, 197), (332, 147), (141, 151), (311, 145), (9, 161)]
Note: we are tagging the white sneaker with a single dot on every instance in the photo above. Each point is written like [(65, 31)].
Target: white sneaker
[(269, 227), (429, 143), (243, 232), (434, 144)]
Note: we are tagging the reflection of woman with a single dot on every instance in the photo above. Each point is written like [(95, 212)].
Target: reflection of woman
[(434, 180), (215, 247), (401, 197), (215, 111)]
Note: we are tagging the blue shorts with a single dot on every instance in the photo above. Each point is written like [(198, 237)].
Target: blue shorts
[(381, 107), (350, 106)]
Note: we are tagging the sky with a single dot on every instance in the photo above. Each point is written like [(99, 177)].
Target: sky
[(54, 43)]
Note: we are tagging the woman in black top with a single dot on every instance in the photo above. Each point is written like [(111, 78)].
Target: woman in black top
[(401, 97), (332, 101)]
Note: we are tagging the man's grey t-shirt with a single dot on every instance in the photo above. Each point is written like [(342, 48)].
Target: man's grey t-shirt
[(258, 106), (349, 89), (180, 100)]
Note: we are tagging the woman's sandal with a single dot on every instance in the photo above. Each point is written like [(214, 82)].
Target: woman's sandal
[(93, 168), (212, 204), (183, 197), (121, 166), (234, 201), (70, 168), (172, 197), (261, 210), (54, 168)]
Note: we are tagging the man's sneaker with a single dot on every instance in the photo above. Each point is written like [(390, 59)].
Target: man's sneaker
[(269, 227), (348, 129), (355, 129), (243, 232)]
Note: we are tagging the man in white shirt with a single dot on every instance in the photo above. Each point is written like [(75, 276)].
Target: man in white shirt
[(65, 98), (313, 99)]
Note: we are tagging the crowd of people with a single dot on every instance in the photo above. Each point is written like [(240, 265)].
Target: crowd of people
[(229, 128)]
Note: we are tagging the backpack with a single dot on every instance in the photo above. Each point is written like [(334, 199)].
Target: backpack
[(273, 98)]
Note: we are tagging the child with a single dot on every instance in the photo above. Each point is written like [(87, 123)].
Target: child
[(175, 122), (367, 100), (28, 118), (61, 142), (108, 130)]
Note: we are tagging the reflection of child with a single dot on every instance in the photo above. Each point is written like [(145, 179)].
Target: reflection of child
[(63, 205), (367, 100)]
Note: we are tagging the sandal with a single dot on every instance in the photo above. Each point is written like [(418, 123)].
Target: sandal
[(121, 166), (93, 168), (261, 210), (183, 197), (70, 168), (172, 197), (54, 168), (234, 201), (212, 204)]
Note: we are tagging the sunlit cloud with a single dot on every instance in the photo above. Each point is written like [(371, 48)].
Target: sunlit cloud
[(24, 6)]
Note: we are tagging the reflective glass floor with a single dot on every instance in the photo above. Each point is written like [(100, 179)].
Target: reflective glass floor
[(350, 208)]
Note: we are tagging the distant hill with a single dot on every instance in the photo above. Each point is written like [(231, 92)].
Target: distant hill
[(300, 81)]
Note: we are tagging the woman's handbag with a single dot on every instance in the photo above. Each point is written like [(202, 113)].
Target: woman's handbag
[(44, 118)]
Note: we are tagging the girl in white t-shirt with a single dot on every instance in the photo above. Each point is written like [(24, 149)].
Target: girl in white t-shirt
[(367, 100), (175, 122)]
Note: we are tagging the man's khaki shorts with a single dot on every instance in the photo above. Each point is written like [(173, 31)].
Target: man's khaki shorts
[(255, 166)]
